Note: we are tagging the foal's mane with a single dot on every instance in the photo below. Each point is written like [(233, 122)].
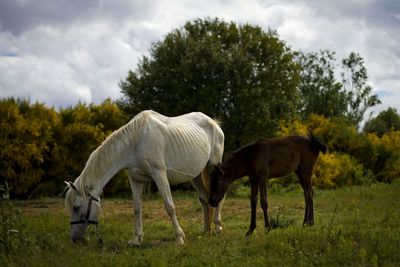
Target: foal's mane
[(102, 158)]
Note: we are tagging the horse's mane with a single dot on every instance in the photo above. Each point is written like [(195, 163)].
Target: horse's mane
[(103, 156)]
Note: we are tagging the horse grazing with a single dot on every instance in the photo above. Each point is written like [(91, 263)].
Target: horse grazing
[(151, 147), (264, 159)]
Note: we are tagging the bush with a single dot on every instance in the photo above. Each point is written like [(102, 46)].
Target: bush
[(40, 148), (335, 169), (386, 150), (25, 141)]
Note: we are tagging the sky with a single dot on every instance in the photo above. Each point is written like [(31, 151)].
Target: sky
[(59, 52)]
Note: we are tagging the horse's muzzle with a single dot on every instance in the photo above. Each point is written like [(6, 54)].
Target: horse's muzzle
[(77, 233), (76, 239)]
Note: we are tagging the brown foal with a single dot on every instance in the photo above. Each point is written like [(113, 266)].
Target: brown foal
[(264, 159)]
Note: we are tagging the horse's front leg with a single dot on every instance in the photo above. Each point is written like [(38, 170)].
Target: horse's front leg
[(217, 216), (197, 183), (162, 183), (309, 213), (264, 203), (253, 202), (137, 189)]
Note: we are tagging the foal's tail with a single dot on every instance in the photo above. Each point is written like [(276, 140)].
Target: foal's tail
[(316, 144)]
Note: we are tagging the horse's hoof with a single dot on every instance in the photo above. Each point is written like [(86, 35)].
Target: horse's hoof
[(218, 229), (179, 241), (135, 242)]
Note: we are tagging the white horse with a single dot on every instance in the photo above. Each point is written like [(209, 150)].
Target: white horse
[(151, 147)]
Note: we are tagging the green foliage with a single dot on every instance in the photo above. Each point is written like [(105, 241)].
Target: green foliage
[(387, 120), (322, 93), (354, 79), (240, 74)]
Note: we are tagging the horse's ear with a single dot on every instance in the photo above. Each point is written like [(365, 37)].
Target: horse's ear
[(71, 185)]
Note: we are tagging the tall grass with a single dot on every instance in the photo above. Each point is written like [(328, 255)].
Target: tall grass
[(356, 226)]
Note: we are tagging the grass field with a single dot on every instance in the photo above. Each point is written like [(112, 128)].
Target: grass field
[(356, 226)]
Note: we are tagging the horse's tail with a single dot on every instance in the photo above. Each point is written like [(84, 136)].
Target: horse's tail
[(317, 144)]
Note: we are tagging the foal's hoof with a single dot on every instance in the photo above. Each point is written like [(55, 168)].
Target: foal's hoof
[(207, 232), (248, 235)]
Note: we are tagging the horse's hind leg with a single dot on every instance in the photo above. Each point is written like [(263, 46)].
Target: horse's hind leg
[(207, 209), (137, 189), (161, 180), (264, 202), (253, 202)]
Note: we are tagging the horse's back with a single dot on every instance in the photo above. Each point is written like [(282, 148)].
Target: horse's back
[(280, 156), (184, 143)]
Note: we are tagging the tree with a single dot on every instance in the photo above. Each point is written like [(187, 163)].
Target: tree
[(323, 94), (354, 80), (386, 121), (108, 116), (320, 91), (240, 74)]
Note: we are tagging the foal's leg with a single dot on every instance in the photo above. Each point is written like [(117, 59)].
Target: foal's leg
[(207, 209), (308, 196), (304, 175), (253, 202), (137, 189), (264, 202), (161, 180)]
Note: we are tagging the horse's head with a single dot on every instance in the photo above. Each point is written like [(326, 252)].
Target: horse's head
[(84, 209), (219, 185)]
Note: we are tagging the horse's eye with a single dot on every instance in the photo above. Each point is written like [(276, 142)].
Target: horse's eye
[(75, 208)]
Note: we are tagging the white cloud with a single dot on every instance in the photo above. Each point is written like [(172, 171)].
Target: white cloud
[(65, 51)]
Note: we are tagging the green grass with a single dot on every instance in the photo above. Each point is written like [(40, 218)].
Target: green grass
[(355, 226)]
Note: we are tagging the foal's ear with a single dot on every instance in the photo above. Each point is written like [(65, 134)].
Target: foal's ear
[(71, 185)]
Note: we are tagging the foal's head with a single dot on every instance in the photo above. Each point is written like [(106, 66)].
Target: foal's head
[(84, 209), (219, 186)]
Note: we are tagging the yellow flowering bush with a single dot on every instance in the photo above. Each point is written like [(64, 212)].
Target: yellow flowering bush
[(386, 150), (336, 169)]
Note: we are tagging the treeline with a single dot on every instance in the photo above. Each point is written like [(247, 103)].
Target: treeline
[(354, 157), (249, 79), (41, 147)]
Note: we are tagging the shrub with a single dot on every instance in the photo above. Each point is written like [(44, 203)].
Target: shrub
[(336, 169), (386, 150)]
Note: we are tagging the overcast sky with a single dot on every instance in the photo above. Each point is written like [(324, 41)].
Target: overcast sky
[(63, 51)]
